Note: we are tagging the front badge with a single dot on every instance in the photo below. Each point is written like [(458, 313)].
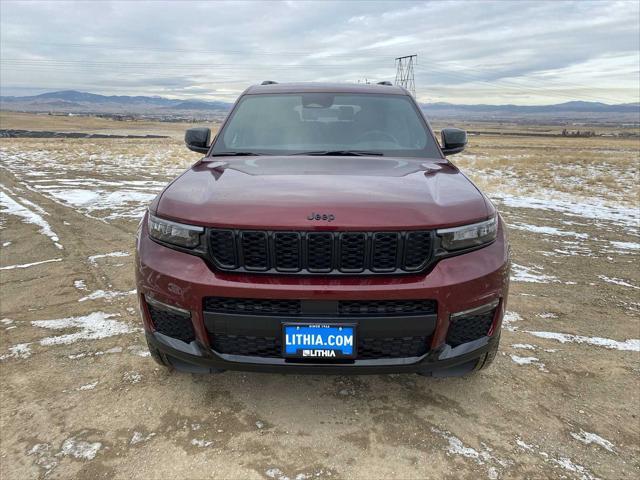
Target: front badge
[(327, 217)]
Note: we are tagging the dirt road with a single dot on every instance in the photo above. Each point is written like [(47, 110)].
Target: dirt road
[(81, 397)]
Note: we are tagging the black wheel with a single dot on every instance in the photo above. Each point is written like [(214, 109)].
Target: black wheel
[(158, 357), (487, 358)]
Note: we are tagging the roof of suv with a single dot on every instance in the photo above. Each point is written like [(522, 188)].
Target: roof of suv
[(325, 88)]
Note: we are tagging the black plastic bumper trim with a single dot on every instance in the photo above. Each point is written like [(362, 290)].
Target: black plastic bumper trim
[(438, 360)]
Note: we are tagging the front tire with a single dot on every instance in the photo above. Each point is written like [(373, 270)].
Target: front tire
[(487, 359), (158, 357)]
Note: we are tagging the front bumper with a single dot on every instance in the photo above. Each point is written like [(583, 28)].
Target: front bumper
[(457, 284), (445, 361)]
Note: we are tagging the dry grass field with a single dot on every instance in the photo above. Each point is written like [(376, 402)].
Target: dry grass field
[(81, 398)]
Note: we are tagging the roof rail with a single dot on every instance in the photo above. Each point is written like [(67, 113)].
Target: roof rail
[(385, 82), (268, 82)]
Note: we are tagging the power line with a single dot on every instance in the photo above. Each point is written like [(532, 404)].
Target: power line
[(312, 55), (404, 73), (503, 84)]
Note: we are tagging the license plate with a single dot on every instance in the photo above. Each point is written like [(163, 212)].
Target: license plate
[(318, 341)]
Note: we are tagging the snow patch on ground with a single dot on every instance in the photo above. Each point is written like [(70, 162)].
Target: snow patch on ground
[(21, 350), (482, 457), (533, 274), (594, 209), (630, 345), (79, 284), (44, 456), (93, 258), (626, 245), (91, 354), (617, 281), (88, 386), (139, 351), (106, 294), (547, 230), (12, 207), (132, 377), (588, 438), (124, 203), (94, 326), (563, 462), (523, 346), (529, 361), (508, 320), (27, 265), (524, 445), (568, 465), (201, 443), (140, 437), (80, 449), (276, 473)]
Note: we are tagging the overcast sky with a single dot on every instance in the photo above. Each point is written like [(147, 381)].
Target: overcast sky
[(468, 51)]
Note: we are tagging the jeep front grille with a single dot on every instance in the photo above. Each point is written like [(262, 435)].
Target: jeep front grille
[(320, 252)]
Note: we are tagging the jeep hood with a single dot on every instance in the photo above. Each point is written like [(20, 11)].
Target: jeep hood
[(363, 193)]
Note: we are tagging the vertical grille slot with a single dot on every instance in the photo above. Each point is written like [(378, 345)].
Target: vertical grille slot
[(287, 251), (223, 248), (385, 253), (352, 252), (417, 250), (319, 252), (254, 250)]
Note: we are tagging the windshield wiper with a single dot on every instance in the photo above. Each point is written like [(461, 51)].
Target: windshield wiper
[(235, 154), (341, 153)]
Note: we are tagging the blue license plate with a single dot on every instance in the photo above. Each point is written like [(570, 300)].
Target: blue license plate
[(318, 341)]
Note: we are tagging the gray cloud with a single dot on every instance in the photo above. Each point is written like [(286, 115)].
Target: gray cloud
[(469, 52)]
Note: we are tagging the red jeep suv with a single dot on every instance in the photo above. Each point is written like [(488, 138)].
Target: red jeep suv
[(324, 231)]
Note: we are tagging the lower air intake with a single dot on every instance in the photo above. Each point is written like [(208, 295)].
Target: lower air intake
[(172, 324), (468, 328)]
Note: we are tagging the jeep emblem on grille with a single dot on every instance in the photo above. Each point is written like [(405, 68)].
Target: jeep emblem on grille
[(328, 217)]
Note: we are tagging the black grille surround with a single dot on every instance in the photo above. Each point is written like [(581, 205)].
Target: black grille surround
[(313, 253), (172, 324), (469, 327), (386, 329)]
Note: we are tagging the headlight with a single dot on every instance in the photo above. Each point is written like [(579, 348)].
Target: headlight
[(179, 234), (469, 236)]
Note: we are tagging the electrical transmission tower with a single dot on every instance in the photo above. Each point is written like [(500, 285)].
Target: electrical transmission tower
[(404, 72)]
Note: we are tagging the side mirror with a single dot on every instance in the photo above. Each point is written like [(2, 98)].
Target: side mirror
[(453, 140), (198, 139)]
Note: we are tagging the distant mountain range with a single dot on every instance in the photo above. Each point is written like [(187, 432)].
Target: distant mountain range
[(72, 101), (575, 106)]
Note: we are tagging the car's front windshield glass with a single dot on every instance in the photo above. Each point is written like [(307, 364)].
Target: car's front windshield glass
[(326, 123)]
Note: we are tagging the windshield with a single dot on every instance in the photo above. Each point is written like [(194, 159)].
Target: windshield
[(326, 123)]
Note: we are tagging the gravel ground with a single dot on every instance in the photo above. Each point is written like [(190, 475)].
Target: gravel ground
[(81, 398)]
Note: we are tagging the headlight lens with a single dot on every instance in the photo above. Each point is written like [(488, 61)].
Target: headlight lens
[(179, 234), (468, 236)]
